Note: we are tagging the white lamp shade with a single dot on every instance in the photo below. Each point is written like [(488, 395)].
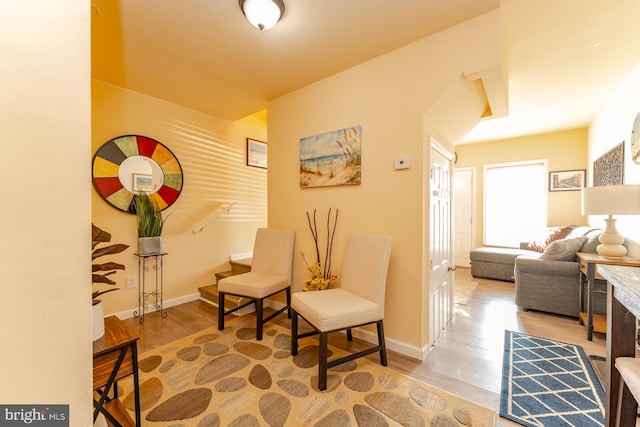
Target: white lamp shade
[(611, 200), (262, 14)]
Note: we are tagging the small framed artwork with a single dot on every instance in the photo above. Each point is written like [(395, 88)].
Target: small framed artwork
[(608, 169), (256, 153), (567, 180), (142, 183)]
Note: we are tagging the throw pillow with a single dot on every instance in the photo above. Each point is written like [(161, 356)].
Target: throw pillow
[(592, 242), (563, 250), (555, 233)]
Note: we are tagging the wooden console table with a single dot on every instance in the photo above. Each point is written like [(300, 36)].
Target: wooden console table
[(623, 307), (588, 262), (115, 356)]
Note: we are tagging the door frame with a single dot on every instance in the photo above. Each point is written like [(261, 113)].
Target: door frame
[(472, 214), (434, 145)]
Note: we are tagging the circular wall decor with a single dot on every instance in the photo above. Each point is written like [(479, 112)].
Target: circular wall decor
[(131, 164), (635, 140)]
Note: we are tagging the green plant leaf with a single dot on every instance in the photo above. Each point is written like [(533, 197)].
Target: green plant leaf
[(149, 216), (109, 250), (96, 294), (101, 236), (107, 266)]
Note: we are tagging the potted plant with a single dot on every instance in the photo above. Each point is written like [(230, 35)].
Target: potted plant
[(100, 273), (150, 223)]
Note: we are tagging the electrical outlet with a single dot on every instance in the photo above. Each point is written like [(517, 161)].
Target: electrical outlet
[(132, 282)]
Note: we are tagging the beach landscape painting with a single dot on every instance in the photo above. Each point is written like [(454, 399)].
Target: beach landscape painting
[(331, 158)]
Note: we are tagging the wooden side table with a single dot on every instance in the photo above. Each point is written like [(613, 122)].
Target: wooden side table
[(588, 262), (115, 356)]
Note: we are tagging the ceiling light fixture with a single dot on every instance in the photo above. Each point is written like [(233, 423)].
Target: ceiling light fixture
[(262, 14)]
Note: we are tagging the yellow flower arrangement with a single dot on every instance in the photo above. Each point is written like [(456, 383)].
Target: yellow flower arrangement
[(317, 281), (320, 278)]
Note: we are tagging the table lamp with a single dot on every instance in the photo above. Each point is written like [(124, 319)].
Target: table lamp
[(611, 200)]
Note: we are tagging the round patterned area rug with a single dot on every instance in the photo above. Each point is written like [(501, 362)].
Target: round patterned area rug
[(227, 378)]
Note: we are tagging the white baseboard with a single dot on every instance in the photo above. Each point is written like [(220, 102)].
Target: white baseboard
[(392, 344), (241, 255), (165, 304), (371, 337)]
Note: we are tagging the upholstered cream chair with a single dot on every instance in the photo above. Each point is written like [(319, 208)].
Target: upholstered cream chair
[(629, 369), (359, 301), (270, 274)]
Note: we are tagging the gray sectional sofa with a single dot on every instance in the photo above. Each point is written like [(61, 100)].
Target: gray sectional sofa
[(496, 263), (543, 284)]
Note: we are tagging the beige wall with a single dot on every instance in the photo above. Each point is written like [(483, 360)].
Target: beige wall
[(211, 152), (565, 150), (45, 306), (388, 97), (612, 126)]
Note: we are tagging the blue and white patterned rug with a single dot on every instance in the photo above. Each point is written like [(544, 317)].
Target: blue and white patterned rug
[(549, 383)]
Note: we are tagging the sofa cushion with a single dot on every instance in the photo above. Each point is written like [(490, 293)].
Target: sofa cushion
[(495, 254), (564, 249), (553, 234), (581, 230)]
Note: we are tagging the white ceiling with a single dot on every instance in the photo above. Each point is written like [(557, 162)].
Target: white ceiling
[(203, 54)]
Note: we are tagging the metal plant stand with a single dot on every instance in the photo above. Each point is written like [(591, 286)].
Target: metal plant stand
[(150, 263)]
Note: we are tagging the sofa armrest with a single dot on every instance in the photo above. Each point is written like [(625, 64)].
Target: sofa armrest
[(550, 286), (532, 265)]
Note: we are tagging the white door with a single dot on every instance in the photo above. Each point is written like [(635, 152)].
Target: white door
[(463, 216), (441, 274)]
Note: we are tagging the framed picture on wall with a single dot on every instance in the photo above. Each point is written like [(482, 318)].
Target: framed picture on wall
[(256, 153), (608, 169), (331, 158), (572, 180), (143, 183)]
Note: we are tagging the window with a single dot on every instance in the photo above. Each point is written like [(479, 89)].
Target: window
[(515, 202)]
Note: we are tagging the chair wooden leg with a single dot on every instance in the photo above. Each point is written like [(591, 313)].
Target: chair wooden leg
[(294, 333), (619, 405), (220, 311), (288, 293), (349, 335), (322, 361), (259, 316), (381, 342)]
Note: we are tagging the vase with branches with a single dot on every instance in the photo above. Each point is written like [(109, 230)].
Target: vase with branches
[(321, 277)]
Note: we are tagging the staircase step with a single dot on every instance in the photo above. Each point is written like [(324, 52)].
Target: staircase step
[(210, 294), (237, 267), (241, 265), (224, 274)]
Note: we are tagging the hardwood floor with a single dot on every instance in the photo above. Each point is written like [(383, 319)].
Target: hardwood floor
[(466, 359)]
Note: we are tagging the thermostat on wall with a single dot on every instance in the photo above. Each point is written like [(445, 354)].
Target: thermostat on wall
[(402, 163)]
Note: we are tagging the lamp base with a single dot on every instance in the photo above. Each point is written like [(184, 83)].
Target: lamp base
[(611, 241)]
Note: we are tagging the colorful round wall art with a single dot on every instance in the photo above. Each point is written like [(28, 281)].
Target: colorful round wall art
[(132, 164), (635, 141)]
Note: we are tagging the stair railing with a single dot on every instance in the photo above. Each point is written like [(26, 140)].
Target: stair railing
[(217, 214)]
